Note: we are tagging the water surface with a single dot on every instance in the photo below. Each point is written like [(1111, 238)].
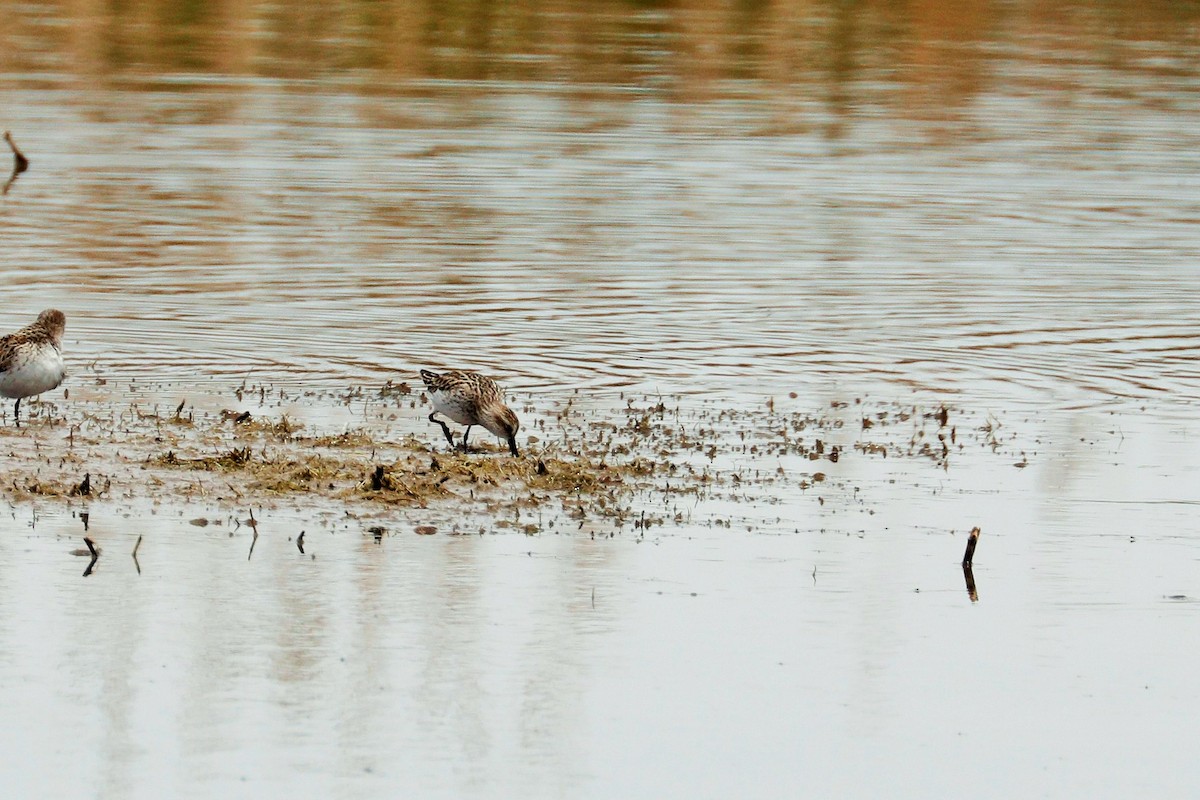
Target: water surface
[(993, 206), (1006, 208)]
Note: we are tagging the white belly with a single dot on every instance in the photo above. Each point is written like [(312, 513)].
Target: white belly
[(36, 372), (450, 405)]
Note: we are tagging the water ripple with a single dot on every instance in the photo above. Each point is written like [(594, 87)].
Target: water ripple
[(679, 254)]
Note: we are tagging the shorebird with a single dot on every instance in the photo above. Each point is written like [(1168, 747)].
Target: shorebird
[(470, 399), (31, 359)]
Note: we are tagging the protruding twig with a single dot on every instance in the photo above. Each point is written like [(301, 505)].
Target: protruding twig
[(134, 554), (91, 546), (972, 540), (377, 478), (20, 162), (300, 542)]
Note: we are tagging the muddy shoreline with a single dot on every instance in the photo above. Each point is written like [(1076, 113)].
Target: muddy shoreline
[(633, 462)]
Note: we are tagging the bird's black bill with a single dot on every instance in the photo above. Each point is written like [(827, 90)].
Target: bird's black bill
[(512, 445)]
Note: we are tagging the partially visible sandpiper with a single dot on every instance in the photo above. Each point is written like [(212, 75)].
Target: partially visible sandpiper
[(31, 359), (470, 399)]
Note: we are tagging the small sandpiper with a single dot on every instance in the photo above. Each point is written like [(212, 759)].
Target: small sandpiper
[(470, 399), (31, 359)]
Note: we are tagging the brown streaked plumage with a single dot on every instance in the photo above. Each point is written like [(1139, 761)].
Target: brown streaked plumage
[(470, 399), (31, 359)]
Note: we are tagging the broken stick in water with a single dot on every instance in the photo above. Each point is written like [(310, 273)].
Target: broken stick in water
[(84, 489), (972, 540), (20, 162), (91, 546), (134, 554)]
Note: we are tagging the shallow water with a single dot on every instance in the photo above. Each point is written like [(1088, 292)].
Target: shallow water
[(993, 206), (1030, 233), (704, 659)]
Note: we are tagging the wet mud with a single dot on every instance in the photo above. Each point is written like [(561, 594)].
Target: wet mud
[(628, 462)]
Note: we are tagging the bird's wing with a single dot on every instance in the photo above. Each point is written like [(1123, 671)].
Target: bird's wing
[(7, 351)]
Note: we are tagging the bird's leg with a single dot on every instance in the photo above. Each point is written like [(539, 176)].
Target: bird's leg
[(445, 428), (17, 412), (465, 434)]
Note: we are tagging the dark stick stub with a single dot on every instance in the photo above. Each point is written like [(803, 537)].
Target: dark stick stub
[(972, 540), (20, 162)]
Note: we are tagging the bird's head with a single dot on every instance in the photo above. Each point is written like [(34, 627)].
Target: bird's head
[(504, 423), (54, 322)]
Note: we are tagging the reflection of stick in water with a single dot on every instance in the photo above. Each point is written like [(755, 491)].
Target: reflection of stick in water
[(253, 523), (969, 577), (20, 162)]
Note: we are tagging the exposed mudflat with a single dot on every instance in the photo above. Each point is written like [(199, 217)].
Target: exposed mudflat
[(632, 464)]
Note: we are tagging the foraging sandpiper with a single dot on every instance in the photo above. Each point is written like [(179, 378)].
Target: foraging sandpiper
[(31, 359), (470, 399)]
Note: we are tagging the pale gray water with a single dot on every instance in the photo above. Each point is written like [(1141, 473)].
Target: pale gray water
[(835, 652), (997, 207)]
